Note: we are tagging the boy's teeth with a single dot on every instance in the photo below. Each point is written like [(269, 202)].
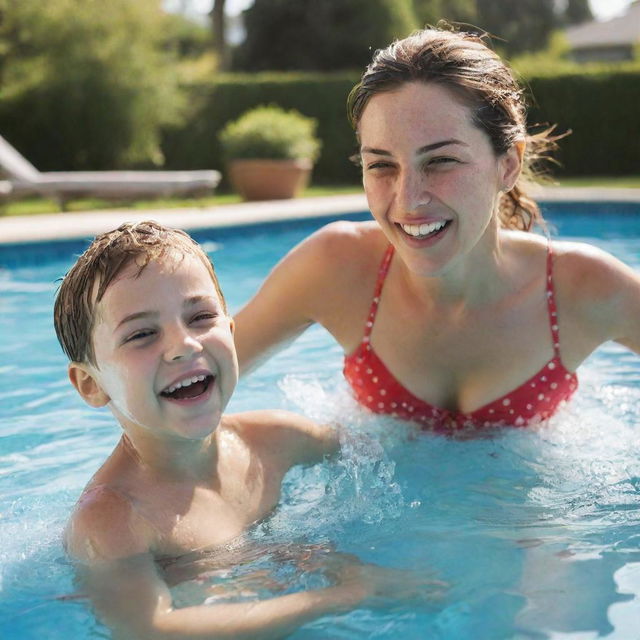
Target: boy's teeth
[(422, 229), (185, 383)]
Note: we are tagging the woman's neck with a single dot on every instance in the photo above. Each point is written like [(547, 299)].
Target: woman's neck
[(475, 278)]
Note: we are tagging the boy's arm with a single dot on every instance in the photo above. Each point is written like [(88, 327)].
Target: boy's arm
[(131, 597), (107, 540)]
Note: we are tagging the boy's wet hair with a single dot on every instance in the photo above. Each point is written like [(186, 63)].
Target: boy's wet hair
[(83, 287)]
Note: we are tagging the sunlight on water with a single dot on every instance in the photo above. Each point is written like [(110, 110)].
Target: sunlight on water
[(536, 531)]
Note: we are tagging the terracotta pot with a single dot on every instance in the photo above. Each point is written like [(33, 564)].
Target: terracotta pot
[(269, 179)]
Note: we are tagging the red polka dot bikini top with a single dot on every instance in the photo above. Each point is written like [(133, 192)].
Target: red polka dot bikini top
[(533, 401)]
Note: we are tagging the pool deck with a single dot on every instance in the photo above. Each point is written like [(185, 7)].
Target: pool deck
[(59, 226)]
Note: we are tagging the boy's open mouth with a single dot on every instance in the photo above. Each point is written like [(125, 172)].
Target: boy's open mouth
[(189, 388)]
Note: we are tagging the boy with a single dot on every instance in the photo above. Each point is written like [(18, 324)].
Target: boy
[(143, 321)]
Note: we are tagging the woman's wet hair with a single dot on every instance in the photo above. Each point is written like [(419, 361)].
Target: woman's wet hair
[(467, 66), (82, 288)]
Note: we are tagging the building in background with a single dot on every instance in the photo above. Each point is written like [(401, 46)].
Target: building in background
[(614, 40)]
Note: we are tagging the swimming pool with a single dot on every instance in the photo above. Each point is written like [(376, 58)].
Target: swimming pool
[(537, 532)]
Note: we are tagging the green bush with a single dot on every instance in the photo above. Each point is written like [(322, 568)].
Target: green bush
[(270, 132), (321, 96)]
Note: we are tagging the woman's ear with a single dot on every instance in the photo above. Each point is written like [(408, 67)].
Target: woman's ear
[(83, 379), (511, 165), (232, 325)]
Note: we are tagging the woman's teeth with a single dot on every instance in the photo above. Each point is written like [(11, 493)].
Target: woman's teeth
[(424, 229), (184, 383)]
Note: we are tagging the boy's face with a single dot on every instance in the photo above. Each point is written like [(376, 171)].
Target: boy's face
[(164, 350)]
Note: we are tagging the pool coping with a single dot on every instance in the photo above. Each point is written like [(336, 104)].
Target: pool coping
[(68, 226)]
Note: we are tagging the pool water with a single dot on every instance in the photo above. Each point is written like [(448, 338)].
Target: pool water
[(536, 532)]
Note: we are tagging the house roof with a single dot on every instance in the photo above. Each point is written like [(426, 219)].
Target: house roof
[(623, 30)]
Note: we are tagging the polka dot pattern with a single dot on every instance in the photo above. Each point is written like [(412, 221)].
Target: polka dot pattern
[(534, 401)]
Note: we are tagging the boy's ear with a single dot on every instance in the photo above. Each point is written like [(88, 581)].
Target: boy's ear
[(511, 165), (86, 385)]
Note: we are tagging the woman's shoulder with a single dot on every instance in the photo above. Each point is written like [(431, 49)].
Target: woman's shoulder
[(343, 248), (583, 275), (574, 263), (588, 270), (599, 292), (343, 236)]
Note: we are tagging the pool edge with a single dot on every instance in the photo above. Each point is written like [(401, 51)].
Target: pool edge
[(40, 228)]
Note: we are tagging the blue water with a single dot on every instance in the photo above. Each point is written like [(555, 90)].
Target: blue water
[(536, 532)]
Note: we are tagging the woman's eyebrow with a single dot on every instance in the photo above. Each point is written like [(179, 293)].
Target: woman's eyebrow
[(377, 152), (441, 143), (425, 149)]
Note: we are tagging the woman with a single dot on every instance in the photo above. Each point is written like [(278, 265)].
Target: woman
[(449, 311)]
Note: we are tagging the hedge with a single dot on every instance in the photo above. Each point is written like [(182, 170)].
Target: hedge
[(599, 107), (602, 109)]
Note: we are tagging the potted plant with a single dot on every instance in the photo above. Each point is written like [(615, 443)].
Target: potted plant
[(270, 152)]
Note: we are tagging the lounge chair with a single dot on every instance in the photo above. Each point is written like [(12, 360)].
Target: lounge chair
[(23, 178)]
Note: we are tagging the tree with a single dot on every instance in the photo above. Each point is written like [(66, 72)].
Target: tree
[(578, 11), (185, 37), (519, 25), (85, 87), (218, 27), (432, 11), (328, 35)]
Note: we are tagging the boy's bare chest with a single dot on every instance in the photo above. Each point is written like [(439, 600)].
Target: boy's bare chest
[(208, 517)]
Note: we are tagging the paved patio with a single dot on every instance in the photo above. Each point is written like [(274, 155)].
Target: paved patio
[(34, 228)]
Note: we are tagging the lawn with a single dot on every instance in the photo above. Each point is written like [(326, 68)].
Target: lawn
[(621, 182), (36, 205)]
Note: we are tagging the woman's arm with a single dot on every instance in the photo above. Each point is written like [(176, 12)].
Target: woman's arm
[(281, 309), (315, 282)]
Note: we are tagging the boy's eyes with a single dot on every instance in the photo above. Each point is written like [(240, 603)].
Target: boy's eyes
[(203, 316), (139, 335), (200, 318)]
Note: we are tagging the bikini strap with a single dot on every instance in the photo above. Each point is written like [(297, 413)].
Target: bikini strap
[(551, 303), (373, 309)]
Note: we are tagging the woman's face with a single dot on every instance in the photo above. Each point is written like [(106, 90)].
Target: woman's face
[(431, 177)]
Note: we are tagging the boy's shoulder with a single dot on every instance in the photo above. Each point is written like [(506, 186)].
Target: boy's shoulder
[(293, 438), (104, 526)]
